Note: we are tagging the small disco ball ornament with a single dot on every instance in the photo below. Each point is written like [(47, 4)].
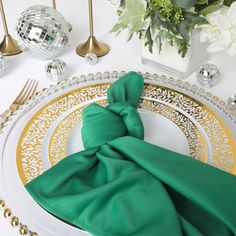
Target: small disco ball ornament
[(2, 64), (42, 32), (56, 70), (208, 75), (91, 59), (232, 101)]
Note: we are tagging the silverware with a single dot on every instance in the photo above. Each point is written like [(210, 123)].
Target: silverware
[(27, 92)]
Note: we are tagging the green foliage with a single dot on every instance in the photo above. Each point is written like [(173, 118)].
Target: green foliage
[(178, 34), (185, 4), (228, 2), (168, 10), (208, 6), (205, 7), (132, 17), (165, 21)]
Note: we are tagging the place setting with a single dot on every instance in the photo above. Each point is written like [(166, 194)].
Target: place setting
[(81, 156)]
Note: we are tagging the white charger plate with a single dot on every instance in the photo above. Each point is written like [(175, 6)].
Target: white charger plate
[(176, 115)]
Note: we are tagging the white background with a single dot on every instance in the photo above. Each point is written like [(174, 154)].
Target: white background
[(123, 56)]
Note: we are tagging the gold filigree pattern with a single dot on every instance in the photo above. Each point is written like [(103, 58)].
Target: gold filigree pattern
[(222, 142), (57, 149), (29, 152), (197, 144), (29, 156), (58, 142), (216, 102)]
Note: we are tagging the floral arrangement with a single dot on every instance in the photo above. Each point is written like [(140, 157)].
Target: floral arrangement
[(221, 30), (165, 21)]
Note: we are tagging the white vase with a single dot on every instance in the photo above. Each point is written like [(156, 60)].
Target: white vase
[(171, 62)]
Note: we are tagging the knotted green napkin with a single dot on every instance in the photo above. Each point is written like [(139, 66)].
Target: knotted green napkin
[(121, 185)]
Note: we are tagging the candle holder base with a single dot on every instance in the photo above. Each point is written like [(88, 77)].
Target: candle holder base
[(92, 46), (9, 46)]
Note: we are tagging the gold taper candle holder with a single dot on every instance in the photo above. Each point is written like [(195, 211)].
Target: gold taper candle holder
[(8, 46), (55, 7), (92, 45)]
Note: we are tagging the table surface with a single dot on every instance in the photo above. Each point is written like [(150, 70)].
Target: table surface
[(123, 56)]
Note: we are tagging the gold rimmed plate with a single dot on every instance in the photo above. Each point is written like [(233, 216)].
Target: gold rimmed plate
[(47, 129), (55, 129)]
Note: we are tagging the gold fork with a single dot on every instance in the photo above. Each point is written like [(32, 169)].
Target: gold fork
[(27, 92)]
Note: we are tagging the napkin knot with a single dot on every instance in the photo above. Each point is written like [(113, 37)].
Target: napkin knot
[(120, 118)]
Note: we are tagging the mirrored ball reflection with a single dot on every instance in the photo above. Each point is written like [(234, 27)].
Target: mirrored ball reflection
[(91, 59), (208, 75), (232, 101), (56, 70), (42, 32)]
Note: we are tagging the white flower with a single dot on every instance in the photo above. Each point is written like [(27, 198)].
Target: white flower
[(221, 30)]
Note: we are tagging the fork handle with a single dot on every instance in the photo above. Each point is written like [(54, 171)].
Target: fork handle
[(5, 114)]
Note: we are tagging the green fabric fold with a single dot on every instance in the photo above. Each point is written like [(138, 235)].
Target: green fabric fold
[(122, 185)]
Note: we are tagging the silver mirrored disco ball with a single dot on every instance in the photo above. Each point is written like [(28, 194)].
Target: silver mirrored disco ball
[(56, 70), (232, 101), (42, 32), (208, 75)]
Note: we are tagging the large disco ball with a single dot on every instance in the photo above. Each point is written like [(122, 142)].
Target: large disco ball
[(42, 32)]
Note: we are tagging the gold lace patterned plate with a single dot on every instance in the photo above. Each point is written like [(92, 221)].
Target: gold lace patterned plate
[(181, 109), (53, 116), (57, 149)]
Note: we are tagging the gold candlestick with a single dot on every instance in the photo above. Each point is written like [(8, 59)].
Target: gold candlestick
[(92, 45), (55, 7), (8, 46), (54, 4)]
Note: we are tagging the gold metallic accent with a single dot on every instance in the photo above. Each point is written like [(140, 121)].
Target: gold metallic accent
[(8, 46), (33, 234), (29, 157), (7, 213), (15, 221), (221, 139), (92, 45), (27, 92), (170, 99), (57, 148), (24, 230), (54, 4), (197, 143), (77, 97), (2, 204), (55, 7)]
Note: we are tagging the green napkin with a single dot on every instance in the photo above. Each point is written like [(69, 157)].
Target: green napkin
[(121, 185)]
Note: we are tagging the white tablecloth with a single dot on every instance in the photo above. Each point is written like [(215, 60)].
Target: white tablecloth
[(123, 56)]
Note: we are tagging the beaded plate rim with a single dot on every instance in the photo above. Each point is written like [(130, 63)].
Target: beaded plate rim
[(182, 86)]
